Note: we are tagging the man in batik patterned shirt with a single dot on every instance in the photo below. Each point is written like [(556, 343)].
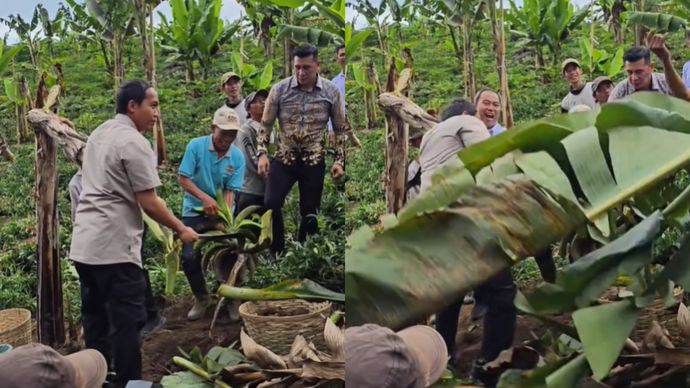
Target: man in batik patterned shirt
[(303, 104)]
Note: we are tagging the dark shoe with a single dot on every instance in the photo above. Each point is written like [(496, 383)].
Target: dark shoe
[(481, 375), (479, 311), (152, 325)]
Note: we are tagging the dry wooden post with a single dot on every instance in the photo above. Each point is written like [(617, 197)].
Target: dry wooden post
[(51, 329), (396, 144), (21, 109), (498, 32)]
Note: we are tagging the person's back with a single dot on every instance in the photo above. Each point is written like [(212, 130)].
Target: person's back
[(442, 143)]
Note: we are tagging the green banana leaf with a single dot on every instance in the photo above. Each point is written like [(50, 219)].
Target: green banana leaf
[(289, 289), (600, 159), (423, 264), (660, 22), (315, 36)]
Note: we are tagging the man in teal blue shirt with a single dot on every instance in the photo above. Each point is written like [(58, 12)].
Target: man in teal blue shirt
[(209, 162)]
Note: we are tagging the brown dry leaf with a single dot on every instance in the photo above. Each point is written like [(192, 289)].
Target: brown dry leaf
[(335, 340), (684, 321), (301, 350), (276, 383), (259, 354), (657, 338), (672, 356), (312, 370)]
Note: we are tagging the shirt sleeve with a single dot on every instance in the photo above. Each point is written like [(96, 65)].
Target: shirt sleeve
[(234, 180), (248, 148), (686, 74), (472, 132), (137, 160), (74, 191), (269, 117), (189, 162), (616, 93), (340, 127)]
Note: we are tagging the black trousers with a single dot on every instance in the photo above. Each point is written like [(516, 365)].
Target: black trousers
[(281, 178), (151, 306), (244, 200), (498, 294), (113, 311)]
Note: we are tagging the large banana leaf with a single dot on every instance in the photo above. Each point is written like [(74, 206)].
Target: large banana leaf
[(426, 263), (595, 160), (660, 22), (315, 36)]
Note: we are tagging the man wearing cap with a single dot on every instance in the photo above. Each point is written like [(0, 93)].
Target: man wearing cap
[(209, 163), (303, 104), (378, 357), (40, 366), (580, 91), (641, 75), (601, 89), (231, 85), (254, 187), (119, 179)]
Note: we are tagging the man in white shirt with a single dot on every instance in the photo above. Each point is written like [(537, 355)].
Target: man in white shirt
[(580, 91)]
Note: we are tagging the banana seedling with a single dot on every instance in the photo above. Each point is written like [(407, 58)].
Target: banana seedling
[(173, 248), (248, 232)]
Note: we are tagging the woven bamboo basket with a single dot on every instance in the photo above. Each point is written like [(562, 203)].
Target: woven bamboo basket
[(275, 324), (15, 327)]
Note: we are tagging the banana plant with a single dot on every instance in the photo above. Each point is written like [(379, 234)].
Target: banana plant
[(660, 22), (247, 232), (28, 32), (195, 33), (172, 251), (599, 61), (256, 78)]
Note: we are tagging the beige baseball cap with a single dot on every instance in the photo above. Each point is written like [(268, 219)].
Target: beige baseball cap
[(40, 366), (226, 77), (568, 62), (378, 357), (226, 119)]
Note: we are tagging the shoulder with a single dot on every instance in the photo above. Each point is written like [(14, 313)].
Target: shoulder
[(281, 85)]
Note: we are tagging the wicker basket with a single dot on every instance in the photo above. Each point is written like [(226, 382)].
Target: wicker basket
[(15, 327), (275, 324)]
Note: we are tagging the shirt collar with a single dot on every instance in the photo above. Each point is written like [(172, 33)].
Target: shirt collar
[(295, 84), (125, 120), (212, 149)]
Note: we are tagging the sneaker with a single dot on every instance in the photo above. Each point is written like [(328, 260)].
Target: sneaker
[(468, 299), (152, 325), (199, 309)]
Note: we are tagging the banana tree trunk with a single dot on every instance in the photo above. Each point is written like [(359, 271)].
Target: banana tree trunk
[(5, 151), (616, 9), (640, 30), (371, 93), (397, 132), (51, 329), (468, 59), (118, 63), (21, 109), (288, 46), (498, 32), (146, 44)]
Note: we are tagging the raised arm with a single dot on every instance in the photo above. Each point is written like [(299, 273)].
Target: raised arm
[(657, 44)]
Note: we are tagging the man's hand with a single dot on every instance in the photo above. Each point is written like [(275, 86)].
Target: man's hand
[(262, 165), (337, 171), (210, 205), (188, 235), (657, 45)]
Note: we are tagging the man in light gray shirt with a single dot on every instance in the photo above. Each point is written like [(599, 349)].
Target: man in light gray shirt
[(254, 186), (119, 180), (458, 129), (641, 75)]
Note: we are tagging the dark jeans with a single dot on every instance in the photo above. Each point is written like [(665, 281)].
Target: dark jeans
[(244, 200), (497, 294), (151, 306), (113, 312), (281, 178)]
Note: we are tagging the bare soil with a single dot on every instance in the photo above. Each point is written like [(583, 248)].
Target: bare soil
[(159, 349)]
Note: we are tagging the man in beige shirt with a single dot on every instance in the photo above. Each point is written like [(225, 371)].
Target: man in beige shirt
[(119, 180)]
